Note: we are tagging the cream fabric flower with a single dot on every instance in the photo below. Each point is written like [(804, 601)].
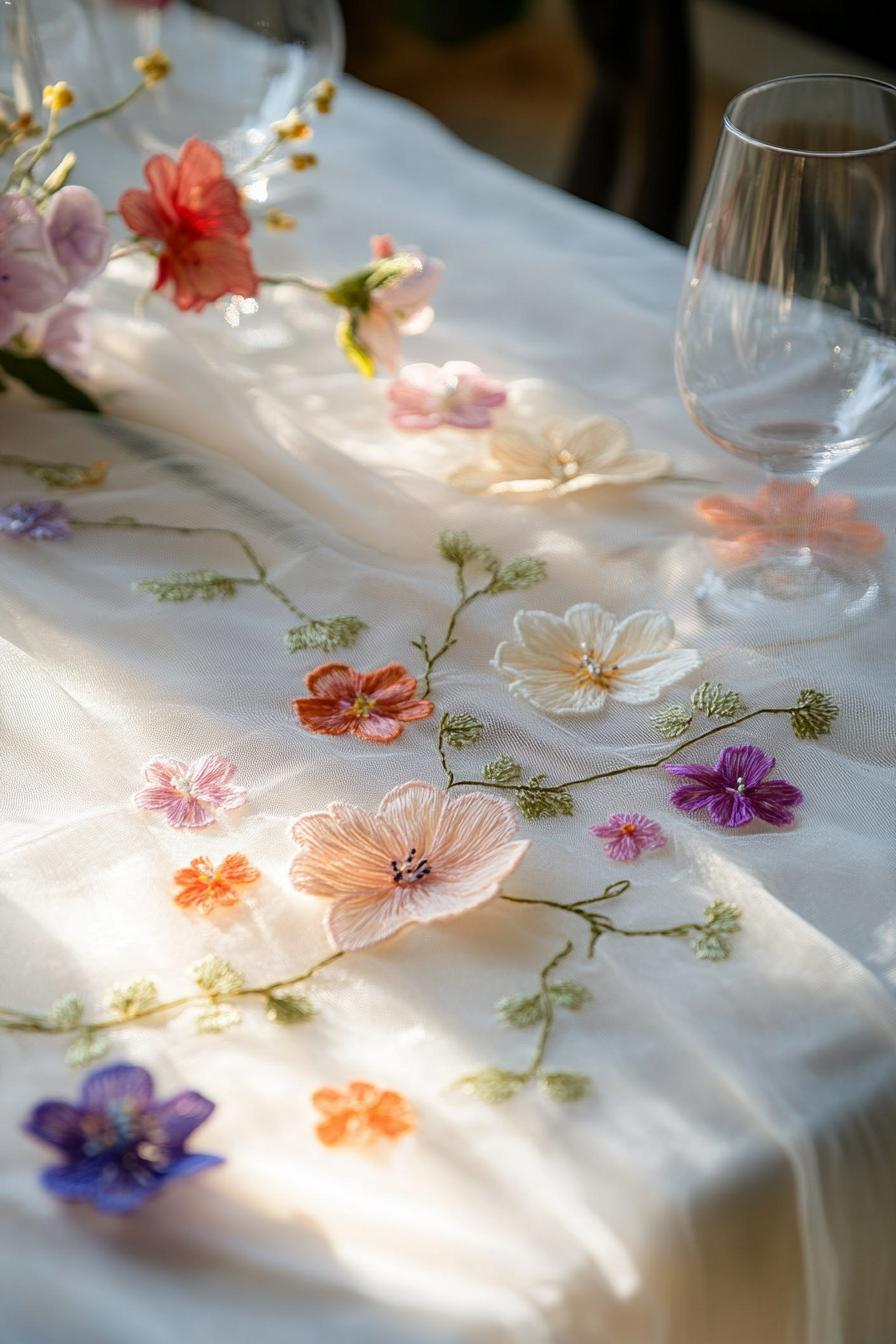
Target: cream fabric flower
[(570, 664), (560, 460)]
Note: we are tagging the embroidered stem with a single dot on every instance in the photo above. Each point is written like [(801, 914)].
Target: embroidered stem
[(440, 747), (431, 658), (59, 475), (547, 1006)]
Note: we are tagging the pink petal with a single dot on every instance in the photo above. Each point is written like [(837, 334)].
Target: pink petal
[(162, 769), (377, 727), (774, 799), (334, 681), (188, 814), (691, 797), (356, 922), (343, 851), (623, 848), (730, 808), (209, 771), (154, 798), (416, 423), (748, 764)]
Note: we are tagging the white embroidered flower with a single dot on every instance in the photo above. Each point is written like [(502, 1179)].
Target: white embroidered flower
[(570, 664), (560, 460)]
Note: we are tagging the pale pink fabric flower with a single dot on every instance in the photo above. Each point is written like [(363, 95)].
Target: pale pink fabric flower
[(627, 834), (425, 396), (63, 335), (401, 306), (78, 234), (786, 514), (30, 280), (189, 795), (421, 856)]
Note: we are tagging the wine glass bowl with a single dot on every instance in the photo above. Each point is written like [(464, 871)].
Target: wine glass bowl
[(785, 347)]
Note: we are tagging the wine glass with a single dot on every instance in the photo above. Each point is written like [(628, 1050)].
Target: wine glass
[(785, 350)]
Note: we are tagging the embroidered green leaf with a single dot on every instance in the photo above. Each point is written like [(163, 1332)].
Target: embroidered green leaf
[(458, 548), (569, 994), (460, 730), (517, 574), (537, 803), (132, 999), (812, 715), (717, 701), (720, 920), (709, 946), (288, 1009), (502, 771), (520, 1010), (65, 475), (218, 1017), (87, 1046), (66, 1013), (493, 1085), (217, 976), (204, 583), (724, 916), (337, 632), (672, 721), (565, 1086)]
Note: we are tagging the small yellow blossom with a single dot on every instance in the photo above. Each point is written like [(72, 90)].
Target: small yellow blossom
[(292, 127), (280, 220), (58, 96), (323, 95), (153, 67), (302, 161)]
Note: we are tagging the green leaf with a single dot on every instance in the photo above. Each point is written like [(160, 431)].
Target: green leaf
[(42, 378), (570, 994), (717, 701), (204, 583), (537, 803), (133, 998), (720, 920), (724, 916), (288, 1009), (353, 347), (812, 715), (518, 574), (502, 771), (672, 721), (65, 475), (87, 1046), (493, 1085), (458, 548), (66, 1012), (565, 1086), (218, 1017), (709, 946), (460, 730), (217, 976), (336, 632), (353, 291), (520, 1010)]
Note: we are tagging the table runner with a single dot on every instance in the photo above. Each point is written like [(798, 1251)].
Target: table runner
[(731, 1174)]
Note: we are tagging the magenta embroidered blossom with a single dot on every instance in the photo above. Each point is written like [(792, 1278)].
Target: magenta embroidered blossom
[(425, 396), (189, 795), (627, 834), (45, 520), (735, 789)]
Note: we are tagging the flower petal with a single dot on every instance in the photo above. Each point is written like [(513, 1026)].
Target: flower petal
[(747, 764), (691, 797), (180, 1115), (392, 676), (774, 799), (116, 1082), (334, 681), (323, 716), (342, 851), (56, 1122), (359, 921), (592, 627), (597, 443), (376, 727), (730, 808), (412, 817)]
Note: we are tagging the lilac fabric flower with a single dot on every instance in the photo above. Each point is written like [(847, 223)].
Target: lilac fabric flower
[(67, 338), (45, 520), (425, 396), (627, 834), (189, 795), (78, 234), (735, 789), (30, 280), (119, 1145)]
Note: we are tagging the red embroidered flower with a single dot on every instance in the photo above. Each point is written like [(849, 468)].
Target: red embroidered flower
[(372, 705), (197, 214)]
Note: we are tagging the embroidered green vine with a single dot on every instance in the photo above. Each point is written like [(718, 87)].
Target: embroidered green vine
[(58, 475), (313, 632)]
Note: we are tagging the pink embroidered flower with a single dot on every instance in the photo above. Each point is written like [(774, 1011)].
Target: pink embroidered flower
[(422, 856), (371, 705), (627, 834), (189, 795), (736, 790), (786, 514), (425, 396)]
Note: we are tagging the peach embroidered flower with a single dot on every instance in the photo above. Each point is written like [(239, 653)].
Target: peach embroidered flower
[(786, 514), (371, 705), (189, 795), (422, 856), (362, 1115), (205, 888)]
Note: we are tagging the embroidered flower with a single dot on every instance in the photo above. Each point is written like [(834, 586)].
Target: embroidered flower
[(561, 459), (120, 1146), (372, 705), (628, 834), (205, 888), (362, 1115), (425, 396), (570, 664), (197, 214), (422, 856), (45, 520), (736, 790), (189, 795), (787, 513)]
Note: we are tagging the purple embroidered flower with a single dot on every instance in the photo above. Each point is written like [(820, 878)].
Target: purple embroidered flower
[(627, 834), (189, 795), (736, 790), (119, 1145), (46, 520)]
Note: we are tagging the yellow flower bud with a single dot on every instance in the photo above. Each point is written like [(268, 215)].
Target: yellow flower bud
[(302, 161), (280, 221), (323, 95), (154, 67), (58, 96), (292, 127)]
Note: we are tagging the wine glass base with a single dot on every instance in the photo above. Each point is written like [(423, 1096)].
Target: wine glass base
[(798, 595)]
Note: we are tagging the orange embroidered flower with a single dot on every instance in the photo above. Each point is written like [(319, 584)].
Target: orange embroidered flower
[(206, 888), (786, 514), (362, 1115), (372, 705)]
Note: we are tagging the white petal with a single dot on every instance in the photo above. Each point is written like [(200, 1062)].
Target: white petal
[(642, 632), (546, 635), (519, 455), (592, 626), (560, 696), (598, 443), (645, 679)]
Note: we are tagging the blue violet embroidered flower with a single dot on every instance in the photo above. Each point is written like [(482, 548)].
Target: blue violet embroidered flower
[(46, 520)]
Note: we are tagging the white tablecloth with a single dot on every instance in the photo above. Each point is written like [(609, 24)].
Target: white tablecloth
[(732, 1177)]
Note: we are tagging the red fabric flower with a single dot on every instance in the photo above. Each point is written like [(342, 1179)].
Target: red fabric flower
[(197, 214), (373, 705)]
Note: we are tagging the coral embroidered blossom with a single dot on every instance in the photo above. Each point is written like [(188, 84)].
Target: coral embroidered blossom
[(361, 1115), (628, 834), (371, 705), (189, 795), (205, 888), (736, 789)]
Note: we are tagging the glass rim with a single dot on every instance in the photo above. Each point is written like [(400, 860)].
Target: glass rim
[(730, 124)]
